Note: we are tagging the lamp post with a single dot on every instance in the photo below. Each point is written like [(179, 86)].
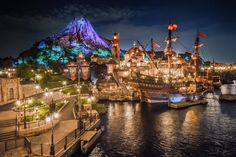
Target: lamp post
[(24, 111), (52, 110), (37, 87), (80, 56), (17, 123)]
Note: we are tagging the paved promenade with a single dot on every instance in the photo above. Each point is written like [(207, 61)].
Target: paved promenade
[(64, 128), (5, 115)]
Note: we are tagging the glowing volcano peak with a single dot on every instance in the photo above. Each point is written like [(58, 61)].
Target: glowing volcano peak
[(81, 30)]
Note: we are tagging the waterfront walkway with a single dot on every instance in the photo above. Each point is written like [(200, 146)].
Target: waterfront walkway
[(65, 134), (40, 145)]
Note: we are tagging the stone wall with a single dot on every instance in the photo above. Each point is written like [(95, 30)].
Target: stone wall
[(29, 89)]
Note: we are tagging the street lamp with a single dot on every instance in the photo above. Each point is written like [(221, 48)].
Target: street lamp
[(52, 110), (24, 111), (37, 87)]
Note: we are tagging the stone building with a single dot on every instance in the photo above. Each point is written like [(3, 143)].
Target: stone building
[(10, 89)]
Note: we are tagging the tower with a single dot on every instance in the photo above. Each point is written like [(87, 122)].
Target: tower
[(116, 48)]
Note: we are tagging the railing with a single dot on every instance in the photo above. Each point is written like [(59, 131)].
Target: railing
[(44, 149), (11, 144), (31, 124)]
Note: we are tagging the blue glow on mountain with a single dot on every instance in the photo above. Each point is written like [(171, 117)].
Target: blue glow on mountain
[(42, 45), (102, 53), (57, 48), (77, 36)]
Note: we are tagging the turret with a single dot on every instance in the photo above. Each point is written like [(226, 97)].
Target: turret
[(116, 48)]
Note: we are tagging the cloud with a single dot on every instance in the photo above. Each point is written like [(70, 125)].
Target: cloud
[(19, 33)]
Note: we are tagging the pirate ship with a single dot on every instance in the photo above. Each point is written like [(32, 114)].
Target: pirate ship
[(154, 76)]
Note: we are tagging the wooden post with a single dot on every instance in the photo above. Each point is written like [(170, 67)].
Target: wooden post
[(5, 144), (65, 145), (75, 133), (41, 149)]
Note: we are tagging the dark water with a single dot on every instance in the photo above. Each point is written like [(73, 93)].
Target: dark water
[(134, 129)]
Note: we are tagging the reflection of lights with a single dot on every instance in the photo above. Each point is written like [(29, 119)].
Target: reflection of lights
[(37, 86), (51, 93), (191, 123), (46, 94)]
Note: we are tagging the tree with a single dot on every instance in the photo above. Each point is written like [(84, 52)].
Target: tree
[(25, 71), (55, 66)]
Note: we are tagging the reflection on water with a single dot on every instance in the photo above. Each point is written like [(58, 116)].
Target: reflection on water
[(134, 129)]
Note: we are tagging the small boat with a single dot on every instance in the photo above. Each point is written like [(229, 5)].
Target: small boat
[(88, 140)]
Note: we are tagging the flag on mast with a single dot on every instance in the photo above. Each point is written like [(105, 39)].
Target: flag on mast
[(200, 34), (155, 44)]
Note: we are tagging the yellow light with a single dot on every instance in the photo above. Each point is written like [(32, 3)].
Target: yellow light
[(48, 119), (64, 82), (18, 103), (92, 98), (56, 115), (30, 101)]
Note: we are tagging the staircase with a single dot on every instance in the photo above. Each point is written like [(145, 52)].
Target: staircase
[(8, 129)]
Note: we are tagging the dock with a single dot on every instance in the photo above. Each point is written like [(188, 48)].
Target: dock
[(180, 105)]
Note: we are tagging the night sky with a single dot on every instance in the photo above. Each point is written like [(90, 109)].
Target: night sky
[(22, 23)]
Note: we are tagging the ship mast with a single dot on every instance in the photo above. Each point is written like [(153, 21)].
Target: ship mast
[(168, 51), (152, 54), (196, 56)]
